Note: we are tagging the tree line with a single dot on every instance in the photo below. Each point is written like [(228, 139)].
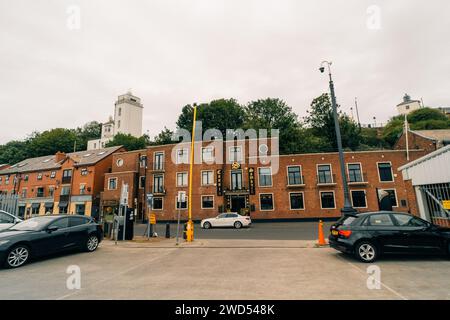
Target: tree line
[(312, 133)]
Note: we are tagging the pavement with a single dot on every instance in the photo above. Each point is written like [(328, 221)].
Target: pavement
[(226, 269)]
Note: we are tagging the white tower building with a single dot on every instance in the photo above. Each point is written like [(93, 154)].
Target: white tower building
[(127, 120)]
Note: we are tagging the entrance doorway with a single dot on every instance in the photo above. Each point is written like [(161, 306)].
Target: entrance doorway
[(237, 203)]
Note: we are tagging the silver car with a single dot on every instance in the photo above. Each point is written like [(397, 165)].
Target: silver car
[(229, 219), (7, 220)]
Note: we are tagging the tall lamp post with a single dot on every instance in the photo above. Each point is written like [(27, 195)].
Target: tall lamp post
[(347, 209)]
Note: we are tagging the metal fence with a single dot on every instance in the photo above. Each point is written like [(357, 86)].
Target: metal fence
[(434, 195), (9, 203)]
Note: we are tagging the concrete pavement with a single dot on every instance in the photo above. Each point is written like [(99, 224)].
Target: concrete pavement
[(210, 270)]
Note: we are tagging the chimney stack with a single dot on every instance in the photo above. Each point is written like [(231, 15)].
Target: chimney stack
[(59, 156)]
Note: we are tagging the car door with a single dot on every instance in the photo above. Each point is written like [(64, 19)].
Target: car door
[(230, 219), (49, 242), (382, 228), (77, 231), (220, 220), (421, 236)]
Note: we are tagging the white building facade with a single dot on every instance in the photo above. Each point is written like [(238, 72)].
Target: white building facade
[(127, 119), (408, 105)]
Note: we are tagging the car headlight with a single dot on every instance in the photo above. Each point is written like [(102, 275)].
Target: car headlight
[(2, 242)]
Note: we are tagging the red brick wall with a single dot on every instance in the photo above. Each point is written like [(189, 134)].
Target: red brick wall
[(415, 142)]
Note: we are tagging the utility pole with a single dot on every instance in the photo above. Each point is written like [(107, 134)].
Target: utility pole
[(190, 224), (347, 209), (357, 113)]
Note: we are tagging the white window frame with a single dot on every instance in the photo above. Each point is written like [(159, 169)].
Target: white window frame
[(271, 177), (162, 204), (209, 160), (290, 203), (187, 178), (320, 199), (331, 173), (301, 174), (179, 159), (273, 201), (396, 196), (109, 183), (365, 195), (207, 195), (392, 172), (229, 154), (163, 160), (212, 175), (360, 168), (85, 189)]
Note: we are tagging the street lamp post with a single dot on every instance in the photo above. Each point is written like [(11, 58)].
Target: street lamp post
[(347, 204)]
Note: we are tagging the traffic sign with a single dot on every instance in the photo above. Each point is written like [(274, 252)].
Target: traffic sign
[(446, 204), (152, 218)]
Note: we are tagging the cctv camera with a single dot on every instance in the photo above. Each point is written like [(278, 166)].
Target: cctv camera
[(322, 69)]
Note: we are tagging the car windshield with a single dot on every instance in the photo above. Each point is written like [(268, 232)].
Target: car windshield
[(33, 224)]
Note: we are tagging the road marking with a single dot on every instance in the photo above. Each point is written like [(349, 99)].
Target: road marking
[(116, 275), (380, 282)]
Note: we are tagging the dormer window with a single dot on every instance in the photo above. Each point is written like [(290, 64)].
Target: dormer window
[(53, 174), (39, 176)]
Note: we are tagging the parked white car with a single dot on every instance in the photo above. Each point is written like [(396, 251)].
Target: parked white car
[(7, 220), (229, 219)]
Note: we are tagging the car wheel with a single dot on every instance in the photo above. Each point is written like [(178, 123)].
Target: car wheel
[(366, 251), (238, 225), (207, 225), (17, 256), (92, 243)]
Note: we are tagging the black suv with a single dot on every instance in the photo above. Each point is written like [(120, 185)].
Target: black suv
[(368, 235)]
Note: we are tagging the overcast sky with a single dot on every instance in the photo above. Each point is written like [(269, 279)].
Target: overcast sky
[(175, 52)]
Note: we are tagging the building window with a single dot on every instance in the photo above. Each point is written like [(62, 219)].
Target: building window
[(327, 200), (393, 196), (266, 202), (1, 178), (118, 124), (112, 183), (25, 178), (67, 176), (84, 172), (359, 198), (297, 201), (143, 162), (39, 176), (40, 192), (265, 177), (236, 180), (294, 175), (324, 173), (235, 154), (385, 172), (80, 209), (119, 162), (142, 182), (120, 112), (207, 202), (182, 179), (207, 178), (82, 189), (24, 192), (157, 203), (7, 180), (159, 161), (158, 183), (208, 154), (51, 191), (182, 156), (354, 172), (35, 208), (181, 205), (65, 190), (52, 175)]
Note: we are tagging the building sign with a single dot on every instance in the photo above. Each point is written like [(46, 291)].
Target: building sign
[(446, 204), (251, 180), (236, 166), (149, 197), (219, 183), (124, 195)]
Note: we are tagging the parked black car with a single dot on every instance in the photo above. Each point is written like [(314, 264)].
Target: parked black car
[(46, 235), (369, 235)]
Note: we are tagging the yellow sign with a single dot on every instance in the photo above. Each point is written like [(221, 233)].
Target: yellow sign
[(152, 218), (446, 204), (235, 165)]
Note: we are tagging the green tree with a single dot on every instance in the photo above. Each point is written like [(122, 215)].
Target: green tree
[(273, 113), (320, 119), (129, 142), (89, 131), (426, 114), (164, 137), (51, 141), (13, 152), (219, 114)]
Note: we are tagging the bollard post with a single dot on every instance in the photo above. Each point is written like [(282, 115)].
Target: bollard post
[(168, 230)]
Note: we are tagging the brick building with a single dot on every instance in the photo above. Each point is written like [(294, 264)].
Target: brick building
[(304, 186), (428, 140), (60, 183)]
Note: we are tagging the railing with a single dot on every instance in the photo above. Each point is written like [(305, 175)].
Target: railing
[(9, 203), (66, 179), (159, 190), (293, 184), (358, 179)]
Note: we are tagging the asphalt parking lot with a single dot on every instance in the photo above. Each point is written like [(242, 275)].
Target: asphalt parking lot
[(210, 270), (258, 231)]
